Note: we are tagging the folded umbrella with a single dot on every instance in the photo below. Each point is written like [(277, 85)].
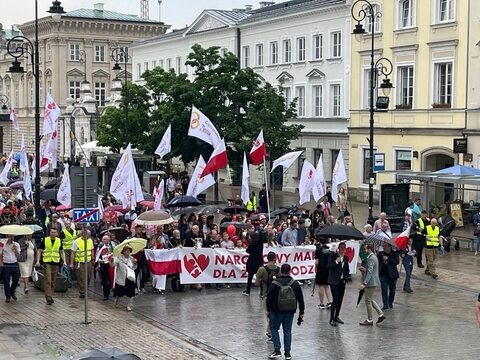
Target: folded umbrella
[(136, 244), (360, 295), (341, 232)]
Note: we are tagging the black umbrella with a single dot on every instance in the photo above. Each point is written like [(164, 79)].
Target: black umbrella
[(49, 194), (52, 183), (279, 212), (341, 232), (110, 353), (210, 210), (237, 224), (234, 209), (360, 295), (148, 197), (119, 233), (183, 201)]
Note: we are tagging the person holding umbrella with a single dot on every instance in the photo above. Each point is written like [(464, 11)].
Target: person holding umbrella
[(9, 254)]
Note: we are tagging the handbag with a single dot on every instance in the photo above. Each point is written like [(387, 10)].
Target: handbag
[(130, 274), (34, 275), (476, 231)]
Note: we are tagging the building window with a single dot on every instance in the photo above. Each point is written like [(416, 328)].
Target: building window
[(403, 159), (443, 85), (139, 71), (74, 89), (122, 53), (336, 44), (178, 65), (223, 52), (287, 51), (406, 10), (336, 98), (316, 156), (246, 56), (169, 64), (366, 165), (301, 49), (445, 10), (368, 20), (317, 100), (300, 161), (160, 63), (100, 53), (100, 93), (333, 159), (145, 65), (74, 52), (318, 47), (259, 54), (49, 52), (274, 52), (154, 64), (287, 94), (300, 94), (405, 87)]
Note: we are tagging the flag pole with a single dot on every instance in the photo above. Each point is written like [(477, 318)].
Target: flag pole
[(266, 186)]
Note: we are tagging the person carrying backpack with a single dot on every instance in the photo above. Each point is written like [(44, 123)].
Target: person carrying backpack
[(264, 278), (282, 298)]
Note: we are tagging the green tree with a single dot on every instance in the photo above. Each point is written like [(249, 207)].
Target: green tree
[(234, 99)]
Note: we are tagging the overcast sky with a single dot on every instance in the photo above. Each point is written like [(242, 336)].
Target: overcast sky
[(177, 13)]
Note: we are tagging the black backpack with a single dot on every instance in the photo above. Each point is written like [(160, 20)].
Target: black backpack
[(286, 298)]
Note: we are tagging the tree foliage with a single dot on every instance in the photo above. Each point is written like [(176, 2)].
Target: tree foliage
[(234, 99)]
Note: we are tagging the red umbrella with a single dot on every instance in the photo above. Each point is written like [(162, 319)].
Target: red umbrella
[(118, 208), (148, 204), (63, 208)]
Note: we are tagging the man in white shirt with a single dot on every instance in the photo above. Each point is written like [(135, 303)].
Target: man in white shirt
[(9, 253), (171, 183)]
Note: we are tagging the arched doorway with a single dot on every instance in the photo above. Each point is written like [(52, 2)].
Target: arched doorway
[(434, 159)]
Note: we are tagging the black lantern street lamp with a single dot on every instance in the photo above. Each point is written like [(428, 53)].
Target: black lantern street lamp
[(30, 50), (383, 66), (119, 55), (4, 102)]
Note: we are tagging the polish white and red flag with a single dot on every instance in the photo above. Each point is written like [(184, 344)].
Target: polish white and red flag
[(50, 115), (13, 118), (401, 240), (259, 150), (158, 195), (163, 262), (218, 160), (50, 152)]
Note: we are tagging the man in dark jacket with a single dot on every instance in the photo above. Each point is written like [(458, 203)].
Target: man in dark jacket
[(338, 275), (282, 311), (388, 273)]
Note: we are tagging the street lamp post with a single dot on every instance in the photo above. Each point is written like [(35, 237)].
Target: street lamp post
[(4, 101), (382, 66), (120, 54), (29, 49)]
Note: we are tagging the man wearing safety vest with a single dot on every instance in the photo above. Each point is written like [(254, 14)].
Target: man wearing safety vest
[(70, 234), (432, 233), (251, 205), (419, 238), (50, 250), (78, 255)]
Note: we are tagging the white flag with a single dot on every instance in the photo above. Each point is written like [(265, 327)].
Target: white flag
[(13, 117), (50, 151), (125, 184), (64, 195), (27, 183), (165, 145), (201, 127), (158, 194), (199, 184), (51, 115), (319, 188), (307, 182), (23, 156), (339, 175), (245, 193), (286, 160), (6, 169), (100, 207)]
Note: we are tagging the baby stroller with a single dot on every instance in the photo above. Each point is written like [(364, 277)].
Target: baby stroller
[(447, 224)]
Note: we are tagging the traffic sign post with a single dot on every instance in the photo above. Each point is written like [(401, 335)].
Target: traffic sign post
[(378, 162), (85, 216)]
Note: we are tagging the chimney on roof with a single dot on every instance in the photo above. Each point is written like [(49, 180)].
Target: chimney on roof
[(249, 7), (98, 6), (264, 4)]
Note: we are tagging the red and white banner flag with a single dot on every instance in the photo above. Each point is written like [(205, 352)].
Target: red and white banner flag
[(218, 160), (201, 127), (339, 175), (245, 192), (319, 189), (307, 182), (402, 240), (50, 116), (165, 145), (6, 169), (64, 195), (158, 195), (259, 150), (199, 184), (163, 262), (286, 160), (13, 117), (50, 151)]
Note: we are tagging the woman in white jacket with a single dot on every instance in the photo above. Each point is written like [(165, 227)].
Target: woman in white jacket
[(124, 276)]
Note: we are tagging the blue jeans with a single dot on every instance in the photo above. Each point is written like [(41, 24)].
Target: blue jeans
[(388, 290), (286, 320), (10, 272), (408, 265), (477, 243)]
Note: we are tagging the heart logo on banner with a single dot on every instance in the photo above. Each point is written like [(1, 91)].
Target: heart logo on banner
[(350, 252), (196, 265)]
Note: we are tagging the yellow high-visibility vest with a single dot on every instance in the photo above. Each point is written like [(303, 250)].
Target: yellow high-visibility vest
[(421, 226), (80, 253), (51, 253), (69, 239), (252, 205), (432, 236)]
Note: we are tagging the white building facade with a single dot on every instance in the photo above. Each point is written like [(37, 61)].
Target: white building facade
[(301, 46)]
